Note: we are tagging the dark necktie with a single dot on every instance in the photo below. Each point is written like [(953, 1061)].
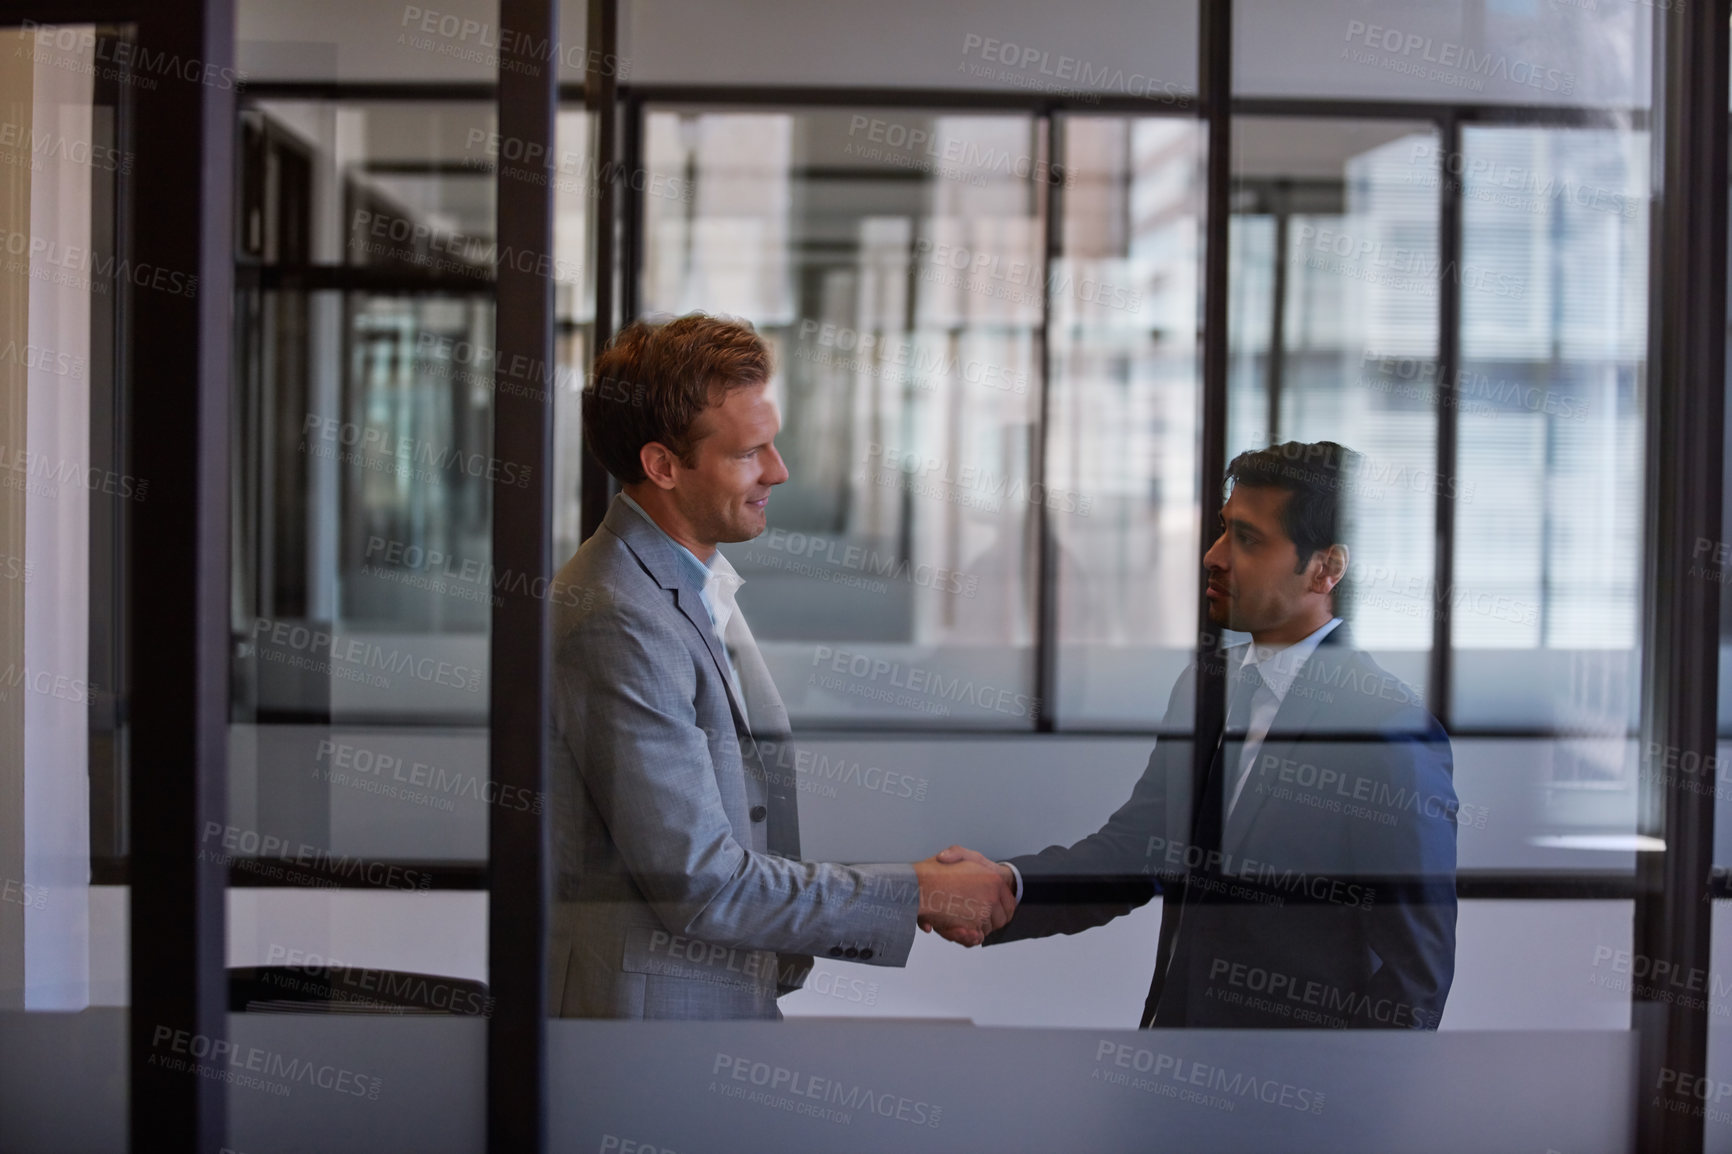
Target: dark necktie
[(1206, 831), (1224, 768)]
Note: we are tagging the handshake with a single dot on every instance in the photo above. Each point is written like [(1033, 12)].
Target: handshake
[(964, 895)]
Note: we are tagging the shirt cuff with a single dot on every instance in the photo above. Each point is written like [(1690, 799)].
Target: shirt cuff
[(1017, 874)]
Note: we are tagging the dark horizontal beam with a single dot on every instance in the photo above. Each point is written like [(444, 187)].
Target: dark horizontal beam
[(69, 11), (941, 98), (441, 91), (911, 732), (1559, 115), (345, 873), (480, 170), (1480, 885), (1544, 885), (363, 279)]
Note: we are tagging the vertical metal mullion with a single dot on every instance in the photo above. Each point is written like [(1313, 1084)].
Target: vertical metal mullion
[(1440, 671), (110, 196), (519, 669), (601, 96), (1685, 411), (1049, 195), (1215, 75), (631, 234), (1278, 317), (178, 376)]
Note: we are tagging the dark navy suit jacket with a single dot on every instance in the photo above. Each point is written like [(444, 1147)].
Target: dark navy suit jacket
[(1326, 899)]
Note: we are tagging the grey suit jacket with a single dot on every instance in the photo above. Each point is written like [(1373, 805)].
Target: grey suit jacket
[(669, 900)]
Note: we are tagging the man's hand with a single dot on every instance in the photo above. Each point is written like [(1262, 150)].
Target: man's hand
[(964, 895)]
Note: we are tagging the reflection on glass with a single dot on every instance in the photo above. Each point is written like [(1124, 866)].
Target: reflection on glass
[(1548, 535), (1339, 220), (364, 576), (1124, 414), (364, 582), (893, 260), (1551, 426), (66, 517), (1576, 53)]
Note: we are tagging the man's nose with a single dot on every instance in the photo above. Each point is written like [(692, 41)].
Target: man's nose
[(1215, 559), (778, 470)]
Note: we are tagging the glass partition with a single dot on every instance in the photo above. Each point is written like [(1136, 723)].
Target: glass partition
[(976, 595), (893, 259), (363, 588), (67, 509), (1549, 403), (1124, 400)]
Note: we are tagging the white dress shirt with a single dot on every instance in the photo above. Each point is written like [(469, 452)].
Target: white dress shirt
[(1278, 666)]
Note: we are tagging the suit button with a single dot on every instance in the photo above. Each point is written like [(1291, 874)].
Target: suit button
[(759, 813), (850, 952), (835, 951), (866, 955)]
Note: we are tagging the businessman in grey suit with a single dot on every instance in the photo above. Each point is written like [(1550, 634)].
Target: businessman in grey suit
[(681, 891)]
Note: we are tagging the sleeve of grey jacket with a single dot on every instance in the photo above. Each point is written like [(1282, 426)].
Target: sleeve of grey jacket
[(626, 709)]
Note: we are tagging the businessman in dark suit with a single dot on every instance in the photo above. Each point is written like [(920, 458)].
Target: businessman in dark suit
[(1312, 883)]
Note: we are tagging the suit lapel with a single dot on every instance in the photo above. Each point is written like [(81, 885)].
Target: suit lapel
[(691, 603), (767, 715), (656, 554)]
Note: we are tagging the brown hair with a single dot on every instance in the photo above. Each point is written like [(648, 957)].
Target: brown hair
[(653, 380)]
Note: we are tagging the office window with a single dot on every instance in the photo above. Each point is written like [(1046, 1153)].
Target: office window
[(1548, 535), (893, 260), (1337, 245), (1125, 384)]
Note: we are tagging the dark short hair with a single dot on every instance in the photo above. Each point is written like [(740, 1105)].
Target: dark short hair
[(655, 377), (1318, 474)]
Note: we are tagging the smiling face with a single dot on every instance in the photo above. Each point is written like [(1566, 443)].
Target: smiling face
[(722, 495), (1256, 584)]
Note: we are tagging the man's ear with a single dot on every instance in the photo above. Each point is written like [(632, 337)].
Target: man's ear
[(658, 463), (1333, 568)]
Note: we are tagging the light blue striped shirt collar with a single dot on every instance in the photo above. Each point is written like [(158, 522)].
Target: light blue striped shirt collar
[(708, 575)]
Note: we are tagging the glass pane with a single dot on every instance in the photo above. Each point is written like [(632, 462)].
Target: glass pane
[(893, 261), (65, 539), (575, 189), (1571, 52), (364, 586), (1125, 403), (1145, 51), (362, 597), (1546, 600), (1337, 223)]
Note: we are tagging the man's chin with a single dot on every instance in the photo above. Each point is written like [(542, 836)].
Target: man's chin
[(747, 529)]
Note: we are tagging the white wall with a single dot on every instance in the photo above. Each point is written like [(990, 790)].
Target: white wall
[(53, 676)]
